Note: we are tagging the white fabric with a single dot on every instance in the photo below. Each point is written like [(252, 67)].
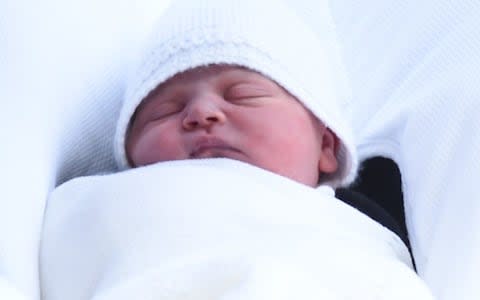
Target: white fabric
[(415, 69), (215, 229), (58, 58), (307, 63)]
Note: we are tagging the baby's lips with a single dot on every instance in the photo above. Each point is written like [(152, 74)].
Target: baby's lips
[(210, 146)]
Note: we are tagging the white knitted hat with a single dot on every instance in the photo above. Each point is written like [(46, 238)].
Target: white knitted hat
[(263, 35)]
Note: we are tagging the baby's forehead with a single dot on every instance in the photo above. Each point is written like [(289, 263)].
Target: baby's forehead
[(215, 72), (221, 70)]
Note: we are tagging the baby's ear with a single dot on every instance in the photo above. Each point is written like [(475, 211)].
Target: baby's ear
[(328, 152)]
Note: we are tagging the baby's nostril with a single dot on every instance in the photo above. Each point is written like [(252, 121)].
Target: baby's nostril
[(212, 119), (193, 124)]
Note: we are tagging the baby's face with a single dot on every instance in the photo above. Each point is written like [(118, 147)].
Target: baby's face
[(231, 112)]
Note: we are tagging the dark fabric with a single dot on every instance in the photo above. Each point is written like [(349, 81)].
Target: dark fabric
[(377, 192), (375, 212), (371, 209), (379, 179)]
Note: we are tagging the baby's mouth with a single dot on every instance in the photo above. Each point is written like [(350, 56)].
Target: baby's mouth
[(212, 152), (211, 147)]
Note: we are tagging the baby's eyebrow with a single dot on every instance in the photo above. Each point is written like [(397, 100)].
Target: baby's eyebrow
[(164, 93), (248, 78), (250, 86)]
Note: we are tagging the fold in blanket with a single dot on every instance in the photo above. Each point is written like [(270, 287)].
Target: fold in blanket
[(215, 229)]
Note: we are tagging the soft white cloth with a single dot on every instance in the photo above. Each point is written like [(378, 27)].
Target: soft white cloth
[(58, 61), (415, 69), (55, 67), (215, 229)]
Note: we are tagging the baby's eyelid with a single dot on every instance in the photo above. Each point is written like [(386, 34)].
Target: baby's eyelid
[(164, 111), (246, 90)]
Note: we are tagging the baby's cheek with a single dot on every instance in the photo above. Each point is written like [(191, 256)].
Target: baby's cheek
[(157, 145)]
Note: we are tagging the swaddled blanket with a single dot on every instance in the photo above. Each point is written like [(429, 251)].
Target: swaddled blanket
[(215, 229)]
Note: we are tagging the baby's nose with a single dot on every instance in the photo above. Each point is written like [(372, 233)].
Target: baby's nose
[(203, 114)]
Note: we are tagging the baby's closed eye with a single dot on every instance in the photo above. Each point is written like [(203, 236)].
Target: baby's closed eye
[(163, 110), (246, 91)]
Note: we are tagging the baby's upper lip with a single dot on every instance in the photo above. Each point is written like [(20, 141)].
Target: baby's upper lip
[(205, 143)]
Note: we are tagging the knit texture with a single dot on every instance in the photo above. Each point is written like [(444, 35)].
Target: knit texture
[(265, 36)]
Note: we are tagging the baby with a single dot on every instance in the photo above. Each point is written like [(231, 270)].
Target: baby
[(232, 112), (214, 83), (251, 82)]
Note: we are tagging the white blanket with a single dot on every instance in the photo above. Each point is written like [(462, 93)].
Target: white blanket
[(215, 229), (55, 68)]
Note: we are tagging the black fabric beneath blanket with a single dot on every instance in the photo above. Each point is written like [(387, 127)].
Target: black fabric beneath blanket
[(377, 192)]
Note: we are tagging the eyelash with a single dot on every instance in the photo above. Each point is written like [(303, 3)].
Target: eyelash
[(245, 93), (161, 115)]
